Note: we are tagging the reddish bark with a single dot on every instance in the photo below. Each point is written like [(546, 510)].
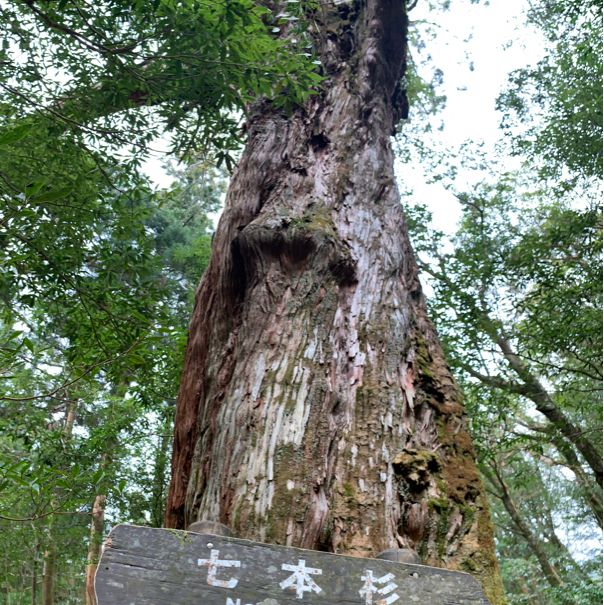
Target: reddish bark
[(316, 408)]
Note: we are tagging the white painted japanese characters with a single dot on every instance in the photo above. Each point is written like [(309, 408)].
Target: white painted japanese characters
[(382, 586), (213, 563), (161, 567)]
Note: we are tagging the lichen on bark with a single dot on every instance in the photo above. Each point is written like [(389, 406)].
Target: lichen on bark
[(316, 408)]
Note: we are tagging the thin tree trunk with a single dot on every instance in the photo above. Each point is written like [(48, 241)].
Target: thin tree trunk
[(160, 470), (94, 546), (49, 571), (7, 585), (97, 524), (548, 529), (529, 595), (34, 576), (316, 408), (70, 417), (559, 546), (550, 572), (50, 553), (546, 405), (591, 494)]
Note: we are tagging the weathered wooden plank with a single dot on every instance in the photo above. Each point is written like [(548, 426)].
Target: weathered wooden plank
[(145, 566)]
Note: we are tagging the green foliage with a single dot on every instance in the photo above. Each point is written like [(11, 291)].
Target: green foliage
[(120, 73), (91, 355), (97, 270), (537, 494), (84, 89), (526, 588), (422, 85), (525, 269), (181, 224), (558, 102), (584, 589), (517, 299)]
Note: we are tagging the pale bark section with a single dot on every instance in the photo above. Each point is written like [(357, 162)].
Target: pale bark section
[(49, 573), (94, 546), (316, 409)]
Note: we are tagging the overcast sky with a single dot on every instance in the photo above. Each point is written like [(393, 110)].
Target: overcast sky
[(476, 46)]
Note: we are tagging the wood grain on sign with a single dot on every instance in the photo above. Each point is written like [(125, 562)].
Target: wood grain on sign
[(146, 566)]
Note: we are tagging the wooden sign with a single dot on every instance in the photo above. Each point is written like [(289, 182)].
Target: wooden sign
[(145, 566)]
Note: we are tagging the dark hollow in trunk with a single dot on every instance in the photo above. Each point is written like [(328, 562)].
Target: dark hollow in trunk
[(316, 408)]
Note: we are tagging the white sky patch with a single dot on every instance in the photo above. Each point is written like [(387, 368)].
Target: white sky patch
[(153, 166), (476, 47), (498, 42)]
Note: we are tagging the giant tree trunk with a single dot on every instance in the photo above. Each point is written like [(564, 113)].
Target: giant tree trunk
[(316, 408)]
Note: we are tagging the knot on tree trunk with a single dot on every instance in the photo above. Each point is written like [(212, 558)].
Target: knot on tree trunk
[(293, 245)]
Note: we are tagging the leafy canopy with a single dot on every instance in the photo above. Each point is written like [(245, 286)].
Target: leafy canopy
[(553, 111), (123, 72)]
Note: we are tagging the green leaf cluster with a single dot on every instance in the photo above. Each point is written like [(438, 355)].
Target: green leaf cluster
[(92, 332), (553, 110), (121, 73), (517, 300), (516, 295)]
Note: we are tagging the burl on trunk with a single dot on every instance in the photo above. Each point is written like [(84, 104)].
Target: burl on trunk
[(316, 409)]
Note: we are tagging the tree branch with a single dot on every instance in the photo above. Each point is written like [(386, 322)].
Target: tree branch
[(495, 381), (67, 384)]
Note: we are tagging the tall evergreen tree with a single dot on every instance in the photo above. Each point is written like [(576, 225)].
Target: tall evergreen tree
[(316, 408)]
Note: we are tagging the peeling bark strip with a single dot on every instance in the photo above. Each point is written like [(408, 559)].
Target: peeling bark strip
[(316, 408), (158, 566)]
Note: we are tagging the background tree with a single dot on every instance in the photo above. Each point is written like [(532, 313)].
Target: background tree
[(558, 102), (54, 490), (518, 302), (517, 297)]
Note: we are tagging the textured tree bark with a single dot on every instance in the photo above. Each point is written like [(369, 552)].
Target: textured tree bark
[(316, 408)]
